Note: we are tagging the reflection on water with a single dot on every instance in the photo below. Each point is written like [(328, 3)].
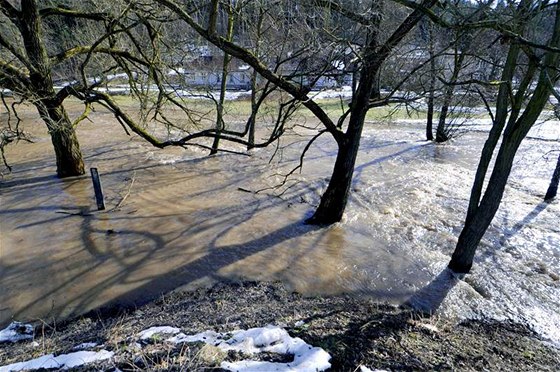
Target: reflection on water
[(186, 222)]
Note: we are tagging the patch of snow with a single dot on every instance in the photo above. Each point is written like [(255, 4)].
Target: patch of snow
[(15, 332), (63, 361), (343, 92), (268, 339), (299, 323), (339, 65), (85, 345), (366, 369), (150, 332), (209, 337)]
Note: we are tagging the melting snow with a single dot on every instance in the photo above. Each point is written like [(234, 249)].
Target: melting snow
[(257, 340), (150, 332), (63, 361), (85, 345), (15, 332)]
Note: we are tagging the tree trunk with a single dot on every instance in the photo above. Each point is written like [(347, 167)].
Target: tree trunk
[(254, 110), (479, 218), (432, 87), (335, 198), (430, 118), (502, 112), (442, 133), (220, 107), (69, 161), (553, 187), (223, 86), (475, 227), (333, 201)]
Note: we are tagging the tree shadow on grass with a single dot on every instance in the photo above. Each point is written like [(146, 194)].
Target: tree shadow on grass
[(376, 334), (371, 337)]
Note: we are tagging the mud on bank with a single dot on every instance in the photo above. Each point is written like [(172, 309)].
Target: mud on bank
[(355, 332)]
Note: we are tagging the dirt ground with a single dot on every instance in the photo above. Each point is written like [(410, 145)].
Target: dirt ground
[(354, 331)]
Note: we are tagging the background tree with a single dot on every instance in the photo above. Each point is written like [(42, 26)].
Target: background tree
[(229, 15)]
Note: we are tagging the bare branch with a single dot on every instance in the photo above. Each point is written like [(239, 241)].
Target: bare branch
[(79, 50), (16, 53), (58, 11), (343, 10), (245, 55), (13, 78), (12, 13)]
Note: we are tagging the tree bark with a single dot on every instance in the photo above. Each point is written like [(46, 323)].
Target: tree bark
[(69, 160), (553, 187)]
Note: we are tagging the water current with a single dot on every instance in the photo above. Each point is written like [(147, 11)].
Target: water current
[(177, 218)]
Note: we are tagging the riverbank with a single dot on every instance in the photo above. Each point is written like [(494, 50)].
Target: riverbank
[(356, 332)]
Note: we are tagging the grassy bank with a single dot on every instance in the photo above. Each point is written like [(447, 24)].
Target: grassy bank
[(355, 332)]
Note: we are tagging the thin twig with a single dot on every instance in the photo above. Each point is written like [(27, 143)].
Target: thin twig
[(127, 193)]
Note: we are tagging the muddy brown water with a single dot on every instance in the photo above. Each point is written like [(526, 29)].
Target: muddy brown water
[(185, 220), (184, 223)]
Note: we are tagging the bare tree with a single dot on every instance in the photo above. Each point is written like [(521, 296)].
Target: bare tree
[(26, 69), (372, 52), (31, 56), (515, 115)]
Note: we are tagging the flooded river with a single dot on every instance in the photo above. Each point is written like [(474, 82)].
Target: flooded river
[(176, 218)]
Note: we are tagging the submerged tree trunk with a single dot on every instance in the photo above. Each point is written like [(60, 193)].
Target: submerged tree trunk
[(220, 106), (477, 223), (442, 133), (69, 161), (553, 187), (334, 200), (474, 228)]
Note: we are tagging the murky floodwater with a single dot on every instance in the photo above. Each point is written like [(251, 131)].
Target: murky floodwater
[(184, 220)]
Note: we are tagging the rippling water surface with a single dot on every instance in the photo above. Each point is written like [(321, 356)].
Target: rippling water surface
[(186, 220)]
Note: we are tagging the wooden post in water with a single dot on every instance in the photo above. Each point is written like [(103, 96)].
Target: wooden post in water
[(98, 189)]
